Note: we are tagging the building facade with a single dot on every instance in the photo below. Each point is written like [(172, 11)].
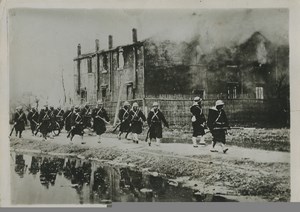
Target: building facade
[(152, 70)]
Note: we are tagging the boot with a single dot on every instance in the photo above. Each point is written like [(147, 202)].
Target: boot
[(194, 139), (157, 141), (224, 148), (213, 147), (99, 139), (202, 142), (82, 142)]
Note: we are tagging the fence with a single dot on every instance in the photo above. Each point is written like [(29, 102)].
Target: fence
[(240, 112)]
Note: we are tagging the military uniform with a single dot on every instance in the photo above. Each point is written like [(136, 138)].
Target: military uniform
[(77, 124), (218, 124), (59, 117), (124, 118), (87, 116), (33, 117), (136, 121), (99, 115), (19, 122), (45, 122), (67, 119), (198, 121), (155, 119)]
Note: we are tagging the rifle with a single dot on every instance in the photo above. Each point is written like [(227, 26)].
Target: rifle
[(114, 130), (12, 130), (225, 128), (37, 129), (98, 117), (148, 132)]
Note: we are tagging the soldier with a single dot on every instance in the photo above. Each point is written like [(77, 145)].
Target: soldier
[(124, 118), (44, 120), (33, 117), (76, 124), (154, 120), (59, 116), (100, 118), (52, 121), (218, 124), (19, 121), (198, 122), (136, 121), (87, 116), (67, 118)]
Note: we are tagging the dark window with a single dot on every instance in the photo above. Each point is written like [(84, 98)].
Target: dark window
[(103, 92), (232, 90), (130, 92), (89, 64), (105, 62), (83, 95)]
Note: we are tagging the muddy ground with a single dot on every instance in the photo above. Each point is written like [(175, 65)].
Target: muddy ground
[(251, 168)]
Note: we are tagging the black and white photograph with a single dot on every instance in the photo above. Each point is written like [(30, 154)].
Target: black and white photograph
[(148, 105)]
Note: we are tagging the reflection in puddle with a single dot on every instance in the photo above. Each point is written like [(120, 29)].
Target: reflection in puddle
[(42, 179)]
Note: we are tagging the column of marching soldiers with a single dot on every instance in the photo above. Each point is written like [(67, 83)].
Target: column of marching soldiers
[(49, 122)]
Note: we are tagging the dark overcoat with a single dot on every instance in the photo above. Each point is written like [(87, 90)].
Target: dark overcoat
[(124, 118), (99, 115), (200, 121), (217, 123), (155, 119), (136, 120), (20, 121)]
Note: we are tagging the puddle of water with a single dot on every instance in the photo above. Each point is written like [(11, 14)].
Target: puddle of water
[(41, 179)]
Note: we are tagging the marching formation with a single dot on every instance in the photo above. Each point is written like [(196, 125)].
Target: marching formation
[(49, 122)]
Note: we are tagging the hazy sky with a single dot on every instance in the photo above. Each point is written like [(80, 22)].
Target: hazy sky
[(42, 42)]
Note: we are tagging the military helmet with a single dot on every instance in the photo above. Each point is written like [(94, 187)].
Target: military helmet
[(76, 107), (135, 104), (197, 99), (219, 102), (155, 104), (19, 108), (126, 103)]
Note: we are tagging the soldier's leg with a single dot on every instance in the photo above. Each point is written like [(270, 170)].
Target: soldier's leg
[(194, 139), (214, 142), (158, 141), (119, 136), (202, 141), (82, 141), (135, 137), (99, 139), (20, 134)]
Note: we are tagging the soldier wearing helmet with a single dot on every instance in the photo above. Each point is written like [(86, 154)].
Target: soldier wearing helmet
[(137, 118), (67, 118), (20, 121), (59, 114), (76, 124), (218, 124), (87, 116), (100, 118), (198, 121), (155, 119), (124, 118), (33, 118), (44, 120)]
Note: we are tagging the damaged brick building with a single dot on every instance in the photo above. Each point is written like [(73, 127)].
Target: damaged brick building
[(250, 78)]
